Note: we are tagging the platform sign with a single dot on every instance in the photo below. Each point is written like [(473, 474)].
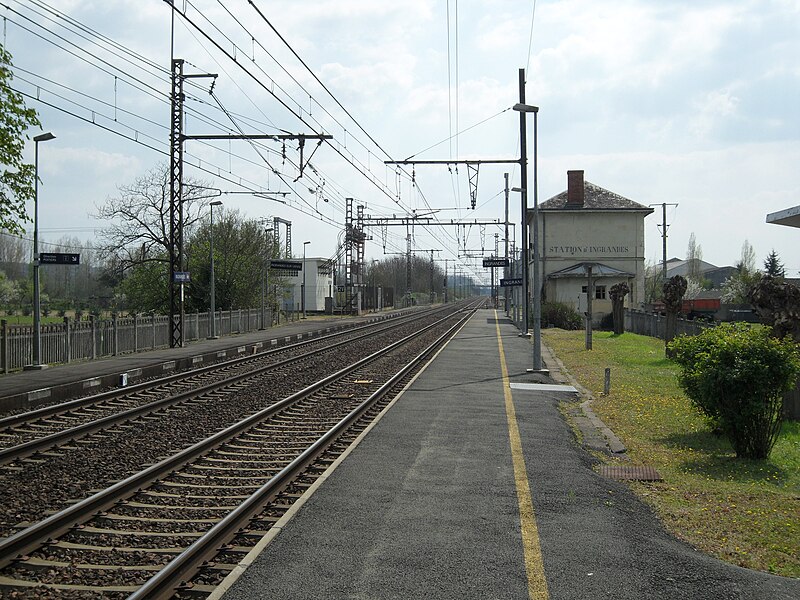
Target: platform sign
[(511, 282), (285, 265), (181, 277), (495, 262), (59, 258)]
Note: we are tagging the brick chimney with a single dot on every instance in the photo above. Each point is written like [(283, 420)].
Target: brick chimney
[(575, 189)]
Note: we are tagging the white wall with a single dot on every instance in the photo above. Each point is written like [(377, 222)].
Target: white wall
[(318, 285)]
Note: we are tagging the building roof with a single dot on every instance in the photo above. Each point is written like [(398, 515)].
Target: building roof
[(582, 270), (681, 267), (595, 198), (789, 217)]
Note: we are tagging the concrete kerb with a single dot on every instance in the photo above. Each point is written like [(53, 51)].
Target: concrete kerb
[(597, 435)]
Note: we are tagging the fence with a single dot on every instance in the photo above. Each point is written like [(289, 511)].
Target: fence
[(655, 325), (94, 338)]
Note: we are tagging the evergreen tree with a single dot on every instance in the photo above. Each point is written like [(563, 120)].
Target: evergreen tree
[(773, 265)]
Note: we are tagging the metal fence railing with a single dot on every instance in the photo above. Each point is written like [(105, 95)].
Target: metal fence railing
[(94, 338)]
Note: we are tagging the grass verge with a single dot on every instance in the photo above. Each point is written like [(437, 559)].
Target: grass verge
[(742, 511)]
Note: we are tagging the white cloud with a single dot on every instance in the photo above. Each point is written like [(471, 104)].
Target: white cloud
[(713, 107), (660, 101)]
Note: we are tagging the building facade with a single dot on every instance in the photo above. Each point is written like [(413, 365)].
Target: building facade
[(318, 286), (588, 227)]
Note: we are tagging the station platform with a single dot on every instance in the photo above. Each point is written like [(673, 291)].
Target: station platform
[(472, 485), (28, 389)]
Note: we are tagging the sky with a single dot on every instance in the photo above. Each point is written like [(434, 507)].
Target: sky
[(688, 103)]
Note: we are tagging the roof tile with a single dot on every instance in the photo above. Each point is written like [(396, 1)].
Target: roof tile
[(595, 198)]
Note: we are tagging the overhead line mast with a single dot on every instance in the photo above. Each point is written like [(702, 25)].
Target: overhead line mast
[(177, 271)]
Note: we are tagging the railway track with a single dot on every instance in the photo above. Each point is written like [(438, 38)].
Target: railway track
[(92, 458), (146, 534), (25, 434)]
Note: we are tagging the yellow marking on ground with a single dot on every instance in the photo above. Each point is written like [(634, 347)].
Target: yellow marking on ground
[(534, 567)]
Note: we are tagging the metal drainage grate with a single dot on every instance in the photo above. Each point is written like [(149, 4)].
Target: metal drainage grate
[(630, 473)]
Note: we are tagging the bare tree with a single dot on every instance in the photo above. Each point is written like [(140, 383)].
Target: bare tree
[(15, 255), (139, 227), (747, 263), (694, 258)]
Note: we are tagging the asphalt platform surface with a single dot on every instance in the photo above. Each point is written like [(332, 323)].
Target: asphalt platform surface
[(426, 506)]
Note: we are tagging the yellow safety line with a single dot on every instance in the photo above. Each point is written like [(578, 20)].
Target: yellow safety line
[(534, 567)]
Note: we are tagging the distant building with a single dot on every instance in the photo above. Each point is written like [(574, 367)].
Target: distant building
[(589, 226), (716, 275), (319, 285)]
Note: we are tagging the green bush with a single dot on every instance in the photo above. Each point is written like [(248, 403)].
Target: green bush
[(563, 316), (736, 374)]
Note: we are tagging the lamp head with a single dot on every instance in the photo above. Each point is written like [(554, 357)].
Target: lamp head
[(525, 108), (215, 203), (44, 137)]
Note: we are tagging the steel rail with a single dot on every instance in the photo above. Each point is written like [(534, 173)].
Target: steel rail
[(33, 537), (31, 447), (56, 409), (184, 566)]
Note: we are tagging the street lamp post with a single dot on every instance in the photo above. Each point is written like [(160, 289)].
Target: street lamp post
[(37, 325), (523, 108), (303, 287), (213, 313), (265, 275), (374, 286)]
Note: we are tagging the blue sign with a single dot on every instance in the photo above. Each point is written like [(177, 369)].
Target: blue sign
[(181, 277)]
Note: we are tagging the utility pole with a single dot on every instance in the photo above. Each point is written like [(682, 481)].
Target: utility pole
[(446, 286), (664, 227), (505, 270), (523, 184), (431, 300), (408, 265), (265, 273)]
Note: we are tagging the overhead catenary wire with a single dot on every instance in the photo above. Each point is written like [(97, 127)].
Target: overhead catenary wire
[(363, 168), (330, 185), (299, 116), (372, 179), (143, 86), (134, 134)]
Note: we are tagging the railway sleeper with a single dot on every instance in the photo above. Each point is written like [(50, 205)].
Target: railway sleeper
[(15, 584)]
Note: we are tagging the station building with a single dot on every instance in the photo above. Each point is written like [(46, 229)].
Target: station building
[(589, 226)]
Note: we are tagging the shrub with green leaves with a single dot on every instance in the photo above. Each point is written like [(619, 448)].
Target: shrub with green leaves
[(563, 316), (736, 374)]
